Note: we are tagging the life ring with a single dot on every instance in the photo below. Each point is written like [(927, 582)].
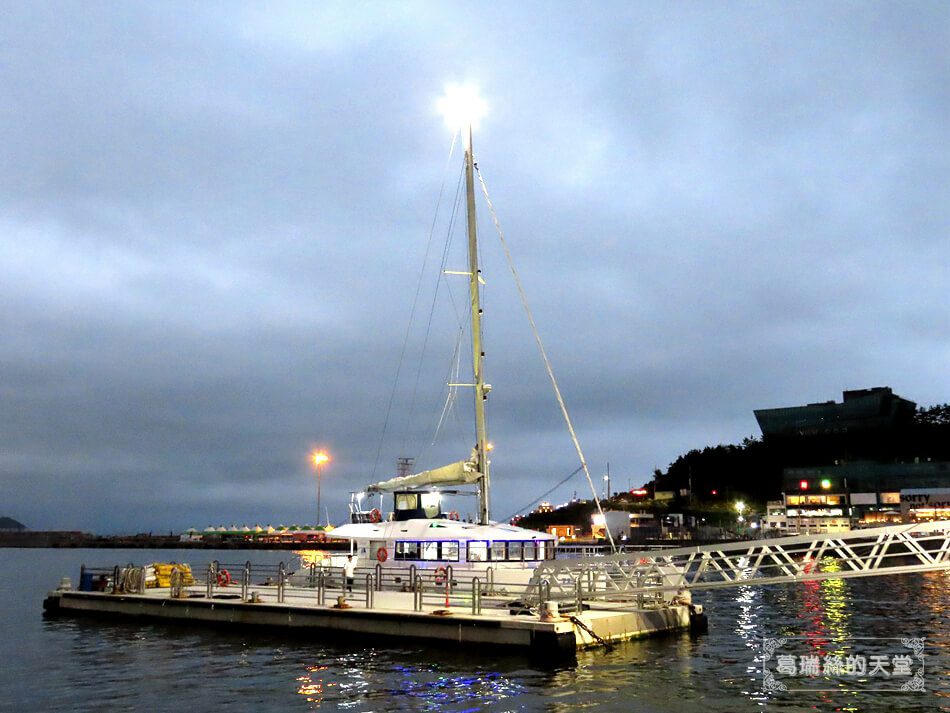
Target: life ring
[(453, 515), (381, 554), (375, 515), (440, 575), (224, 578)]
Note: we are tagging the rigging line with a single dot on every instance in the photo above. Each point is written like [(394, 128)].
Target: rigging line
[(453, 389), (544, 356), (435, 295), (448, 244), (415, 301), (448, 406), (544, 495)]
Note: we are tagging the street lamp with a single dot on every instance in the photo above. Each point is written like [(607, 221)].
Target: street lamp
[(740, 508), (319, 458)]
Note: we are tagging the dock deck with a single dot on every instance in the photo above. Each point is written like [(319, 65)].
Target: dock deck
[(379, 613)]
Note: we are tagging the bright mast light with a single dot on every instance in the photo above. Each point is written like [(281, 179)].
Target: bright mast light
[(461, 107)]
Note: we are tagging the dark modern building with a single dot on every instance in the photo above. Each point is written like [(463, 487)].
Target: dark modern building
[(864, 410)]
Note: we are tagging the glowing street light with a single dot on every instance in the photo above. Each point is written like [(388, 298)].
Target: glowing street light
[(740, 508), (319, 458)]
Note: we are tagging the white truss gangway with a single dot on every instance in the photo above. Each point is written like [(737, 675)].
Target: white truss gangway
[(656, 575)]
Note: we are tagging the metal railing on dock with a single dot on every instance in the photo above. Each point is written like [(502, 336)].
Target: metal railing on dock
[(441, 588)]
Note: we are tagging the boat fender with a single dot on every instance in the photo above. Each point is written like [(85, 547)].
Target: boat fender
[(381, 554), (440, 575), (375, 515), (224, 578)]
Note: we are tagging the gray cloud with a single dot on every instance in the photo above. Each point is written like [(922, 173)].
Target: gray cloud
[(214, 220)]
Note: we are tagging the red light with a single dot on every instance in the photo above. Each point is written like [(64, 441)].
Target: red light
[(639, 491), (803, 485), (715, 492)]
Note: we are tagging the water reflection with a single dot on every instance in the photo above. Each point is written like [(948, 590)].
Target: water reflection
[(374, 679), (311, 685), (826, 613)]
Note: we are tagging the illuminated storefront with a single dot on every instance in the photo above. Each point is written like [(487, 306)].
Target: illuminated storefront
[(924, 505), (864, 495)]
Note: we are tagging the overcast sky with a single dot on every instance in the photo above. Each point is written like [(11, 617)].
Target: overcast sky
[(215, 217)]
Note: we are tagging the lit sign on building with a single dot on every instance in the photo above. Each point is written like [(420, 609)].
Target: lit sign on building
[(925, 504)]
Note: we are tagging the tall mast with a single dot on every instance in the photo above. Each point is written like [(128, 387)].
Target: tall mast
[(481, 446)]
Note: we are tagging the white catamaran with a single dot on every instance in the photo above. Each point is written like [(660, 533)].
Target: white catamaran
[(418, 532)]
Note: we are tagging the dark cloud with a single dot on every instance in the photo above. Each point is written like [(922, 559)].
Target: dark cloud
[(214, 220)]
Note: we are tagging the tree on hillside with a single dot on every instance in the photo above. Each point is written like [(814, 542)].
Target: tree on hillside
[(748, 469), (938, 415)]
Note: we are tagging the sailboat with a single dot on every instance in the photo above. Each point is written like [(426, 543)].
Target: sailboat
[(418, 532)]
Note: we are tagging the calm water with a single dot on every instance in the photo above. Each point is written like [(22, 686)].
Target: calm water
[(78, 665)]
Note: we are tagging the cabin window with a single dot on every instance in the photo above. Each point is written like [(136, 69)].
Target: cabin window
[(407, 501), (427, 551), (498, 551), (514, 551), (406, 551), (431, 504), (477, 551), (530, 551)]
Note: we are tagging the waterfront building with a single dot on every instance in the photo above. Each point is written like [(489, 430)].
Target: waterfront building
[(863, 494), (563, 532), (845, 465)]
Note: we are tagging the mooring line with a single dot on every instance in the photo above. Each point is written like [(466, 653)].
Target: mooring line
[(577, 622)]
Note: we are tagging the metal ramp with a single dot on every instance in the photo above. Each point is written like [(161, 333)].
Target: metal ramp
[(654, 576)]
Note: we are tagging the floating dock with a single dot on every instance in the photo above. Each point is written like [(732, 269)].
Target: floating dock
[(476, 614)]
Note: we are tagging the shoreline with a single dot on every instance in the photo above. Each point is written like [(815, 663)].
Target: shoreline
[(80, 540)]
